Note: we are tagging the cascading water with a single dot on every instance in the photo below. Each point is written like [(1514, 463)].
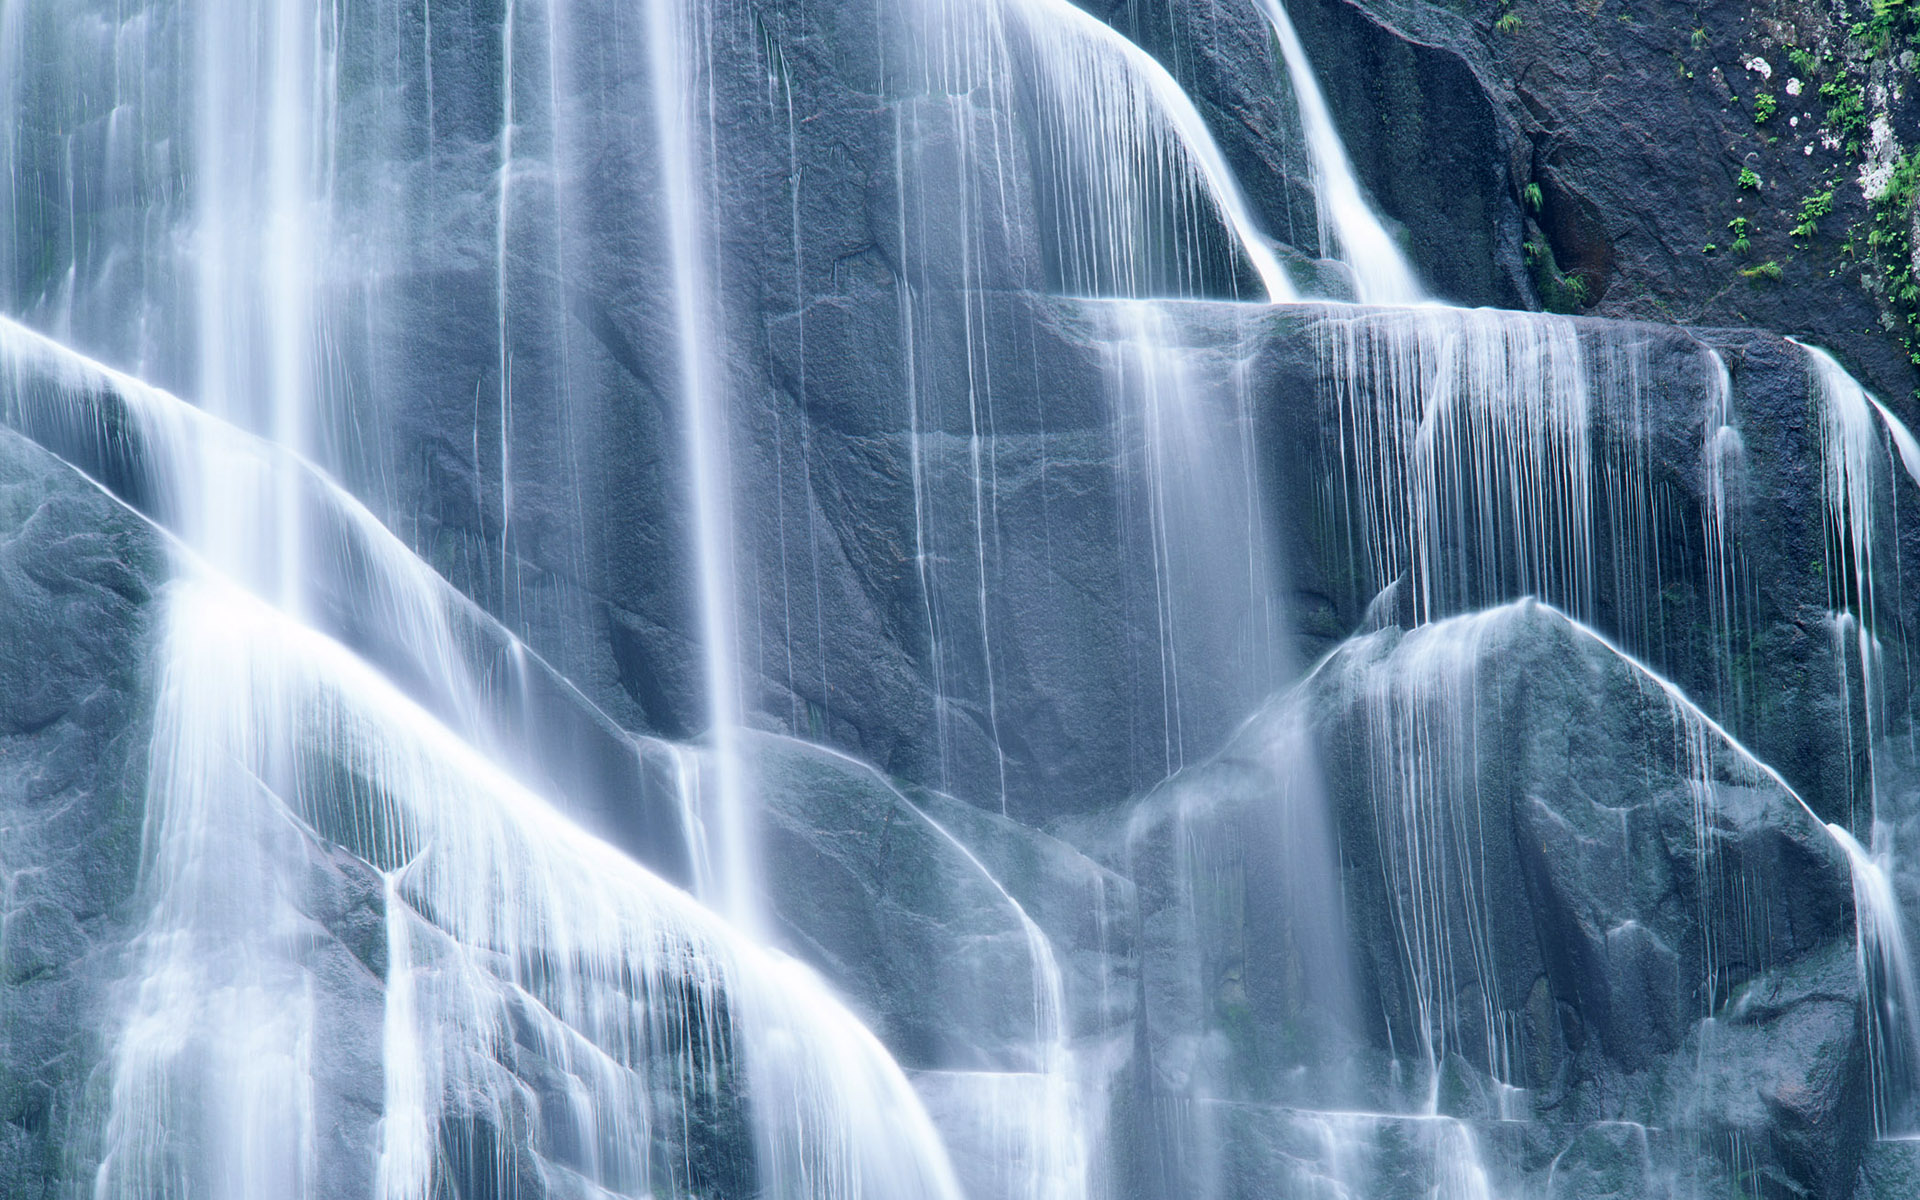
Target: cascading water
[(1348, 225), (1861, 441), (594, 400)]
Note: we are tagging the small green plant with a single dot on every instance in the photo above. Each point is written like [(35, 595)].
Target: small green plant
[(1749, 182), (1508, 22), (1764, 106), (1811, 210), (1802, 61), (1846, 112), (1890, 241), (1891, 19), (1559, 293), (1531, 195), (1709, 249), (1699, 38), (1766, 272), (1740, 227)]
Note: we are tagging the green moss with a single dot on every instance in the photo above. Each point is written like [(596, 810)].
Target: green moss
[(1890, 243), (1766, 272), (1559, 292), (1846, 112)]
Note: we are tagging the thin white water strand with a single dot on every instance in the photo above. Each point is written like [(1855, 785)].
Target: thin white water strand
[(1713, 755), (1160, 384), (406, 1135), (1908, 449), (1349, 228), (1465, 447), (1891, 993), (503, 349), (1903, 440), (641, 1004), (1422, 703), (677, 58), (1726, 566), (1423, 771)]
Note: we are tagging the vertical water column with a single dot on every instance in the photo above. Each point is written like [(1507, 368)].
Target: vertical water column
[(1892, 995), (214, 1074), (1184, 424), (678, 58), (263, 160), (1036, 150), (1725, 459), (1861, 444), (1349, 228)]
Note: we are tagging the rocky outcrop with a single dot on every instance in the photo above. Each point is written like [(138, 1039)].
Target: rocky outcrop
[(1619, 138), (78, 578), (1682, 959)]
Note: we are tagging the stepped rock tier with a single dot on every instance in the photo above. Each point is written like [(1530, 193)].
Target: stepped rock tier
[(959, 600)]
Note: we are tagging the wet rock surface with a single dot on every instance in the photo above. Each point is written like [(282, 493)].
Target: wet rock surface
[(78, 577), (1636, 986)]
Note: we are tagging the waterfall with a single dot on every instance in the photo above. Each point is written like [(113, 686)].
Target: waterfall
[(1861, 442), (1036, 1126), (629, 996), (673, 38), (1725, 465), (1348, 224), (741, 578), (1892, 996), (1186, 425), (1469, 428)]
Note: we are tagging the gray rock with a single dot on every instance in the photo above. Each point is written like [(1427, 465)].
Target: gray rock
[(1550, 891), (78, 574)]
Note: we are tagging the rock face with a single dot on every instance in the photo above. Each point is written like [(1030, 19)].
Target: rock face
[(1634, 125), (1550, 891), (78, 577), (1187, 732)]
